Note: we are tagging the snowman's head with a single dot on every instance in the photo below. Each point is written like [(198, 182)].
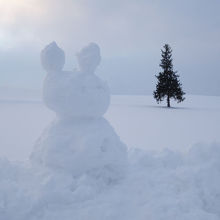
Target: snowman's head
[(89, 58), (52, 58)]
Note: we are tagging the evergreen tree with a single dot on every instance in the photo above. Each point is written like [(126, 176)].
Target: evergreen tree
[(168, 85)]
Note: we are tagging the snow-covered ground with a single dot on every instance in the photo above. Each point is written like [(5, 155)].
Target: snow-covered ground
[(156, 186), (167, 185), (138, 120)]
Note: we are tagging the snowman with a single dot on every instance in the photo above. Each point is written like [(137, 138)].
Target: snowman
[(80, 140)]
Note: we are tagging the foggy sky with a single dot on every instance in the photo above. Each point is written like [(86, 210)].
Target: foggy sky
[(130, 34)]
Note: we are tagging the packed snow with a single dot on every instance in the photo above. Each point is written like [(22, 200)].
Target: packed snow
[(80, 169)]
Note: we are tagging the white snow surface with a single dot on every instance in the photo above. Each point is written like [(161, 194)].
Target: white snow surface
[(166, 185), (79, 168), (138, 120)]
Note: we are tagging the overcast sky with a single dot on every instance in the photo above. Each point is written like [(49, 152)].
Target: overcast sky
[(129, 32)]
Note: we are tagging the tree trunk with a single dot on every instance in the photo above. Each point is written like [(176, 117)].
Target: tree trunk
[(168, 101)]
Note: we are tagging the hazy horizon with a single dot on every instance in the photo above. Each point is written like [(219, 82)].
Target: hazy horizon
[(129, 33)]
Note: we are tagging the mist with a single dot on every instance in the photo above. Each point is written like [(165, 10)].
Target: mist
[(130, 34)]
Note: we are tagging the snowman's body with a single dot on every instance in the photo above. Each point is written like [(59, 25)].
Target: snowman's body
[(72, 94), (80, 140)]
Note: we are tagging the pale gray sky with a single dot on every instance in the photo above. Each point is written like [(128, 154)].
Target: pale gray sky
[(130, 34)]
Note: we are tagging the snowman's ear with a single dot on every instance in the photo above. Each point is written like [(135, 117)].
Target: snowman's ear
[(52, 58), (89, 57)]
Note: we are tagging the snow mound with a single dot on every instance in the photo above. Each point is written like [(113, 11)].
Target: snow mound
[(166, 185)]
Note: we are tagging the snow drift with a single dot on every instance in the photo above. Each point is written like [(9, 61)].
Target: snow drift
[(165, 185)]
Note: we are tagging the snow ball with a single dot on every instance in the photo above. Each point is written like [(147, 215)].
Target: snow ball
[(76, 96)]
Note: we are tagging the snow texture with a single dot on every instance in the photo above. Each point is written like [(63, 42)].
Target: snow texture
[(165, 185), (79, 169)]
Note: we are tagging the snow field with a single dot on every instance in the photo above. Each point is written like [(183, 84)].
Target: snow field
[(80, 169)]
